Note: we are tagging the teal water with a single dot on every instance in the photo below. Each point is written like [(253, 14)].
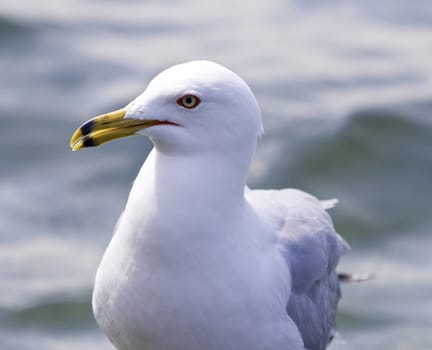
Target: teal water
[(346, 93)]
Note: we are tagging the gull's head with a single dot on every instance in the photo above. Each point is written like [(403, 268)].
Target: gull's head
[(195, 107)]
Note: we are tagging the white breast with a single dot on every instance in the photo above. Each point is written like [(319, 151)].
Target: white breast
[(157, 293)]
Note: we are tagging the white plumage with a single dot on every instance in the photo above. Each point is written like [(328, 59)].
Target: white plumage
[(197, 260), (311, 247)]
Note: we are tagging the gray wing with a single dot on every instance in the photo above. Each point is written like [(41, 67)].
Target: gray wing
[(311, 247)]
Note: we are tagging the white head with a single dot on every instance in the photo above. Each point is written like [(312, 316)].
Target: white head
[(191, 108), (212, 107)]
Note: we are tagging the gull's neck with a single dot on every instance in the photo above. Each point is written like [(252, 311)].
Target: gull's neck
[(208, 180), (185, 197)]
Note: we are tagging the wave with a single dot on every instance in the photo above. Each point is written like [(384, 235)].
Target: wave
[(51, 314), (377, 163), (10, 26)]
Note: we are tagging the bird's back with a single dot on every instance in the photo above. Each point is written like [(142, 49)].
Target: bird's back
[(311, 248)]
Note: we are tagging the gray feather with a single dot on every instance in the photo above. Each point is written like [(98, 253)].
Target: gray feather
[(311, 247)]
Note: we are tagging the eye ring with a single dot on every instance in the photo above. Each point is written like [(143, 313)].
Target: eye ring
[(189, 101)]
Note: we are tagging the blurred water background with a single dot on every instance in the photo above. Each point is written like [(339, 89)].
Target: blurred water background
[(346, 93)]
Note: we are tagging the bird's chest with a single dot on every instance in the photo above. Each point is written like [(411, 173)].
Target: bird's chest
[(161, 293)]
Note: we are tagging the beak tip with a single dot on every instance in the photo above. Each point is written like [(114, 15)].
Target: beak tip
[(76, 144), (99, 130), (77, 135)]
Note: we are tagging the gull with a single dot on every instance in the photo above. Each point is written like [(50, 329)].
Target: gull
[(198, 260)]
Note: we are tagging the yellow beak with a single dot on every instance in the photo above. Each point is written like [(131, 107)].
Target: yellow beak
[(107, 127)]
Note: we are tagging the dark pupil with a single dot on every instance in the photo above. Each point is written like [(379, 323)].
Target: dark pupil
[(188, 100)]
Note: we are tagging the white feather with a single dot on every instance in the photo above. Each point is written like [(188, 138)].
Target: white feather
[(198, 261)]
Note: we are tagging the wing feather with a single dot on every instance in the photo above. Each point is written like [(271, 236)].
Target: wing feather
[(311, 248)]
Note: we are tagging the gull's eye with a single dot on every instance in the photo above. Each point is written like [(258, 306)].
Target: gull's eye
[(189, 101)]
